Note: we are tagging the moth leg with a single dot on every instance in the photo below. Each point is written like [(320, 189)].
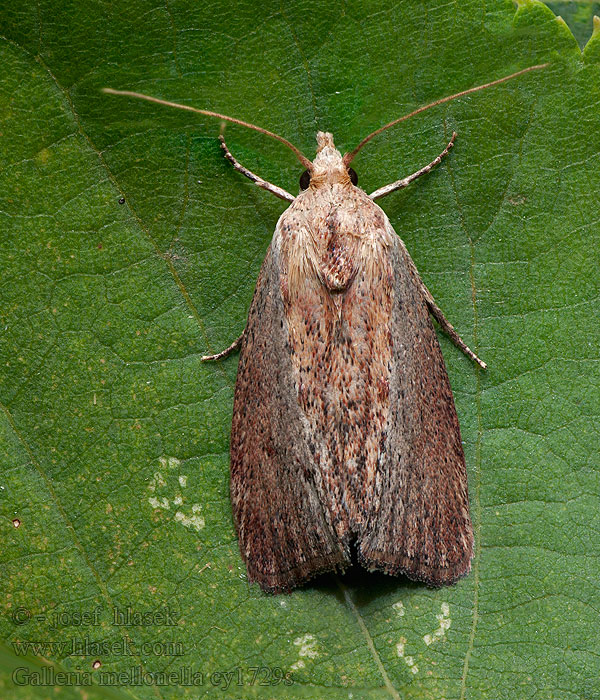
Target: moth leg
[(437, 313), (224, 353), (448, 328), (399, 184), (277, 191)]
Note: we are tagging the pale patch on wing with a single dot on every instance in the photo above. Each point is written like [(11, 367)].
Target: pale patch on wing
[(303, 265)]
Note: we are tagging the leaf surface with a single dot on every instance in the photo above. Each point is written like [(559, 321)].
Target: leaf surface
[(130, 248)]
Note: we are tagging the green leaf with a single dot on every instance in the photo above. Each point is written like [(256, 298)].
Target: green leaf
[(108, 415), (578, 14)]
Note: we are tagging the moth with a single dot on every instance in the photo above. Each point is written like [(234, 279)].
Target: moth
[(345, 440)]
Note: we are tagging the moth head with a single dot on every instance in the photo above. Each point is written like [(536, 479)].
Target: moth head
[(328, 166)]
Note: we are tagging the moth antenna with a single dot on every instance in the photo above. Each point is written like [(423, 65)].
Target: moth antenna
[(140, 96), (348, 157)]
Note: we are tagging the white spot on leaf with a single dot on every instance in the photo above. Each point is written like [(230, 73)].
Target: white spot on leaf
[(308, 649), (408, 660), (159, 502), (399, 608), (170, 462), (444, 624), (400, 647), (157, 481), (187, 515), (195, 521)]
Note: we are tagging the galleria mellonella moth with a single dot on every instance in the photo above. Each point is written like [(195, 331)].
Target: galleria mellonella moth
[(344, 435)]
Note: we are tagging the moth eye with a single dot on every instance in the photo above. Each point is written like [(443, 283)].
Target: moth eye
[(353, 176), (304, 180)]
